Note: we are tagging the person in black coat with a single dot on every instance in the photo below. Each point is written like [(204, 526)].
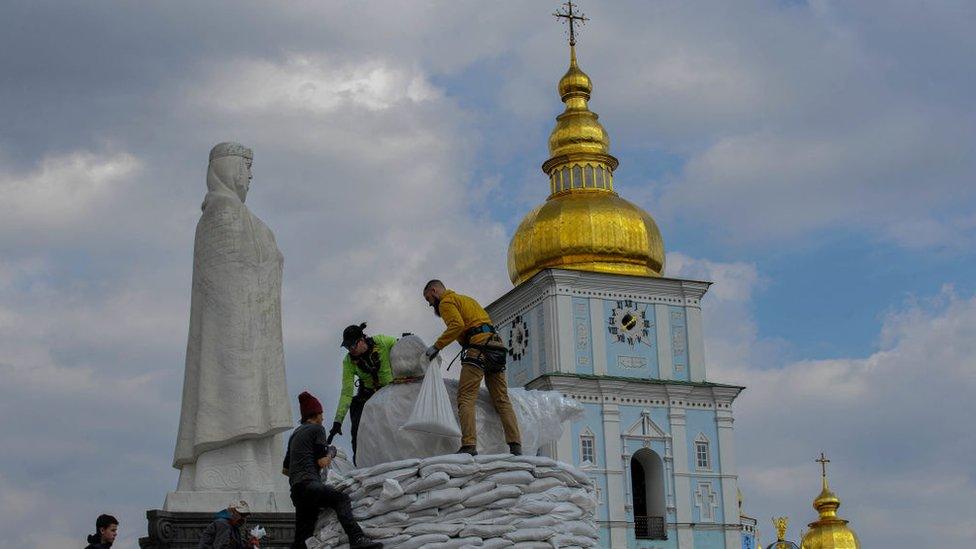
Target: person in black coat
[(106, 530)]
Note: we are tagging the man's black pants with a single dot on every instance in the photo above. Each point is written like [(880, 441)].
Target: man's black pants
[(355, 413), (310, 497)]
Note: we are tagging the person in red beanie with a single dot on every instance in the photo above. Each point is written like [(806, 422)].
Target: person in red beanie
[(308, 453)]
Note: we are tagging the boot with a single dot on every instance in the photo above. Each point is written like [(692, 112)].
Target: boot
[(515, 448), (468, 450), (362, 541)]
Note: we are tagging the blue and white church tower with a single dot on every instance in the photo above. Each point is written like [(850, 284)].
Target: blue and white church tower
[(592, 316)]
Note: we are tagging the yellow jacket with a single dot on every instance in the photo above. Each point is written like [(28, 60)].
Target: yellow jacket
[(460, 313)]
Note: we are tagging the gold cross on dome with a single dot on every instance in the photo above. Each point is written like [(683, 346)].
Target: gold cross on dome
[(823, 461), (569, 15)]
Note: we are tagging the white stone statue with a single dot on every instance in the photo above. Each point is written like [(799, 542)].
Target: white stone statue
[(235, 401)]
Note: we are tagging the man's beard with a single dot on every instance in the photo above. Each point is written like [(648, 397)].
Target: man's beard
[(436, 305)]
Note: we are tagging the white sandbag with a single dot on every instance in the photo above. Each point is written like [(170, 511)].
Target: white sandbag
[(526, 506), (538, 461), (385, 506), (386, 519), (486, 516), (425, 483), (503, 503), (541, 485), (497, 543), (530, 534), (456, 482), (567, 540), (362, 503), (453, 469), (537, 522), (461, 515), (376, 470), (567, 511), (432, 411), (476, 488), (505, 465), (487, 530), (433, 528), (423, 541), (457, 543), (382, 531), (407, 357), (447, 458), (395, 541), (391, 489), (396, 474), (491, 496), (566, 478), (435, 498), (579, 528), (532, 545), (518, 478)]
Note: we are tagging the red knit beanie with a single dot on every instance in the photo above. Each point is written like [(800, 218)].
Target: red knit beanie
[(309, 405)]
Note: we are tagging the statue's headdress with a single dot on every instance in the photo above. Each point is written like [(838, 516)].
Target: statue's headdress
[(229, 148)]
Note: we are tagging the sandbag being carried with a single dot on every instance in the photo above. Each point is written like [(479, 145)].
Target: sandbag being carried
[(432, 412)]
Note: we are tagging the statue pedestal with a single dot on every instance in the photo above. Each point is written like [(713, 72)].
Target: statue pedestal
[(181, 530)]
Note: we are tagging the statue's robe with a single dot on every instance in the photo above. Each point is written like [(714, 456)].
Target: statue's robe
[(235, 400)]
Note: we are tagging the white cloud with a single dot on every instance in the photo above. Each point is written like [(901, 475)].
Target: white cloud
[(63, 193), (313, 84), (894, 422)]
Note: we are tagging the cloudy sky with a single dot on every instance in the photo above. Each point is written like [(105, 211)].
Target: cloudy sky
[(814, 159)]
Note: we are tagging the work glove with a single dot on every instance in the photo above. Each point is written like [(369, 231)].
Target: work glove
[(336, 430), (432, 352)]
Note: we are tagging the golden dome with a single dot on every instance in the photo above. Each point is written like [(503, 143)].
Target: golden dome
[(583, 225), (829, 531)]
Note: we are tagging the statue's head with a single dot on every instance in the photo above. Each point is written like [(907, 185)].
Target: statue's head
[(230, 168)]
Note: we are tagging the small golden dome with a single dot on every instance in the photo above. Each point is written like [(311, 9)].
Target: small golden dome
[(829, 531), (583, 225), (578, 129)]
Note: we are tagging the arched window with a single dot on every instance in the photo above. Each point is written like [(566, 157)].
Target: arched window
[(587, 447), (647, 489), (703, 455)]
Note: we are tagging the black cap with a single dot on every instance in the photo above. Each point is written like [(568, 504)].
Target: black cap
[(352, 334)]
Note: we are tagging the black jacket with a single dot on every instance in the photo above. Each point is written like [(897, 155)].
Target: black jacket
[(95, 542)]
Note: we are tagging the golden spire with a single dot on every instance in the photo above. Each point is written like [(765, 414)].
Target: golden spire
[(829, 531), (583, 225), (781, 524)]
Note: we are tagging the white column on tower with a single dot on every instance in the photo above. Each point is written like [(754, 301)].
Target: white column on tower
[(662, 325), (615, 474), (597, 339), (726, 455), (696, 344), (682, 483)]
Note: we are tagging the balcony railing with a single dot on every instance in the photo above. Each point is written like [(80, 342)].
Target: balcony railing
[(649, 528)]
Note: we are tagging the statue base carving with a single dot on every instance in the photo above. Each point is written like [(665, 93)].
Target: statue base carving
[(212, 502), (181, 530)]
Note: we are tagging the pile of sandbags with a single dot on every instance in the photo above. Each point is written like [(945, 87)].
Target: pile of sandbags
[(456, 500)]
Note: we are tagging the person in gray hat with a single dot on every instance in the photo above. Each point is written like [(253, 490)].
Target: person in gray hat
[(227, 529)]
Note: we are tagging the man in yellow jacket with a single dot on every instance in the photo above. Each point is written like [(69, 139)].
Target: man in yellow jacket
[(483, 357)]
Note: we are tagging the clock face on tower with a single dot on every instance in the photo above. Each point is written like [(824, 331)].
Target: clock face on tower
[(518, 338), (628, 323)]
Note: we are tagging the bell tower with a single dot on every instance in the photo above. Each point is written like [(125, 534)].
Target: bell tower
[(592, 316)]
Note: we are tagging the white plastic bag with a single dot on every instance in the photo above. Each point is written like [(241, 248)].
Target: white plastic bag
[(432, 411)]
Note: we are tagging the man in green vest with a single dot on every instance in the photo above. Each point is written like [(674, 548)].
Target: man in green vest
[(369, 360)]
